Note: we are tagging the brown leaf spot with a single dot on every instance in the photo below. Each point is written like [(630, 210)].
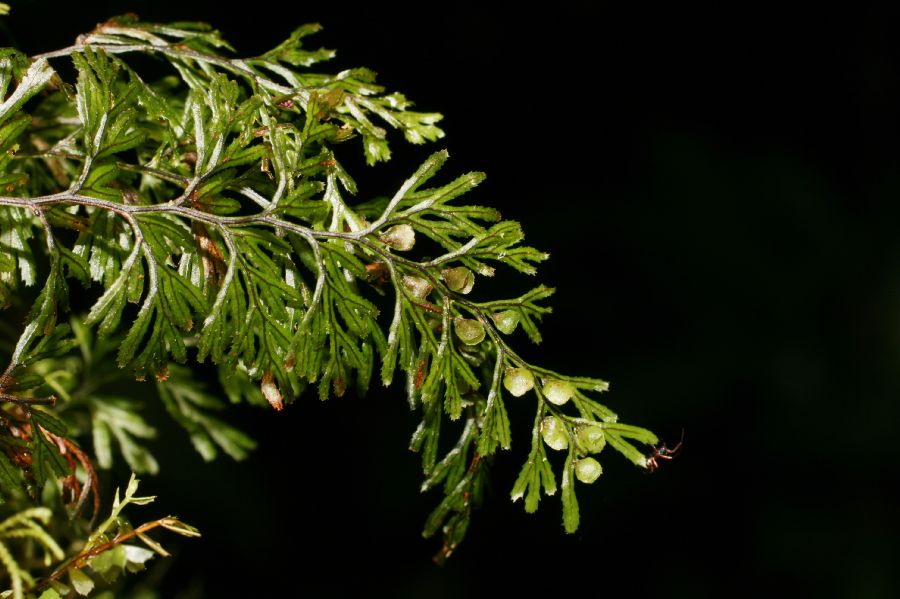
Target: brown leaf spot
[(420, 374), (189, 158), (271, 392), (377, 272)]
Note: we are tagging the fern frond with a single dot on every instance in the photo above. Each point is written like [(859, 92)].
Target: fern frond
[(211, 211)]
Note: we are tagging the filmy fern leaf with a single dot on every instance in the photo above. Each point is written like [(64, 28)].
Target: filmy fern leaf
[(211, 217)]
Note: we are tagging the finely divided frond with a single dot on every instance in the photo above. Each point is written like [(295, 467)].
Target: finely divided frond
[(212, 218)]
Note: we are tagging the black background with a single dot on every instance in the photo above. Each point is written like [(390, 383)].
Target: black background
[(718, 190)]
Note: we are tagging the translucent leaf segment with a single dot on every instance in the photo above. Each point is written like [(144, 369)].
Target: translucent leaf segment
[(213, 203)]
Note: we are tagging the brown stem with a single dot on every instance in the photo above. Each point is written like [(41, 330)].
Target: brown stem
[(28, 401), (80, 560)]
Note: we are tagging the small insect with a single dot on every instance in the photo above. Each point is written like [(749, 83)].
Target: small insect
[(663, 453)]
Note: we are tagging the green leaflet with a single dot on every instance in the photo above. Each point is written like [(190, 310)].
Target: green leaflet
[(571, 517), (17, 263), (626, 449), (104, 113), (452, 466), (10, 475), (116, 418), (31, 81), (535, 474), (81, 582), (292, 52), (42, 320), (464, 480), (495, 428), (641, 435), (190, 405), (425, 438)]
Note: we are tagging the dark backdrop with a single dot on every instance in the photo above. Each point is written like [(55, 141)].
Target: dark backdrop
[(719, 193)]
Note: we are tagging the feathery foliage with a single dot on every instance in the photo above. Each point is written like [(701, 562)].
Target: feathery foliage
[(209, 218)]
